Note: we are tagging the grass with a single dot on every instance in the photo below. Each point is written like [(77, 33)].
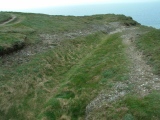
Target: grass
[(149, 43), (82, 79), (65, 77), (28, 27), (134, 107), (128, 21), (60, 82), (10, 42), (4, 17), (144, 108), (32, 25)]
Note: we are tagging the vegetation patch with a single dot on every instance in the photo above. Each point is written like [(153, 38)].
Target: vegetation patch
[(69, 75), (60, 82), (85, 77), (134, 107), (11, 42), (4, 17), (128, 21)]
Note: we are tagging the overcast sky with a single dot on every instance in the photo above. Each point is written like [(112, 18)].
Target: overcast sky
[(6, 5)]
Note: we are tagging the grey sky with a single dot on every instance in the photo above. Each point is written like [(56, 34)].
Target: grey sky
[(30, 4)]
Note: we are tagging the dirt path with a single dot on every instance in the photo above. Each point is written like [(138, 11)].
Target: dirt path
[(141, 75), (142, 79), (10, 20)]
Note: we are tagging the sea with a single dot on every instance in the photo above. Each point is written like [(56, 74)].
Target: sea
[(145, 13)]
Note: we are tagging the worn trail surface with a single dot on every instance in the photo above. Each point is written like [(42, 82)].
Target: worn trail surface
[(141, 75), (142, 79)]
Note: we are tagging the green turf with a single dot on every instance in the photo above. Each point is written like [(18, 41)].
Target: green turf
[(4, 17), (60, 82)]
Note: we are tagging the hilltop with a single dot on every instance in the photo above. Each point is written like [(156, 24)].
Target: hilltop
[(78, 67)]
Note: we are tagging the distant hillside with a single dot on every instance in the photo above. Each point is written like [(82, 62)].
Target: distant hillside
[(26, 28), (78, 67)]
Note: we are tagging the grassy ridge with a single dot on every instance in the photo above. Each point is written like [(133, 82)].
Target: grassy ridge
[(32, 25)]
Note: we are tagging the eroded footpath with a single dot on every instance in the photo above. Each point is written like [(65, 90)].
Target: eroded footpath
[(141, 77)]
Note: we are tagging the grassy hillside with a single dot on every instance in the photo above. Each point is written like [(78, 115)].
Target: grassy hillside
[(32, 25), (61, 80), (64, 75)]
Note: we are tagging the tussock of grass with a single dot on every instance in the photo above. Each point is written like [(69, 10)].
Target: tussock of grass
[(149, 43)]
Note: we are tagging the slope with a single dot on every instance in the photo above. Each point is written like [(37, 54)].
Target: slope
[(78, 67)]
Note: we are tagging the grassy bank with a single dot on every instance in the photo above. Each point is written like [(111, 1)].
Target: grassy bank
[(11, 42)]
